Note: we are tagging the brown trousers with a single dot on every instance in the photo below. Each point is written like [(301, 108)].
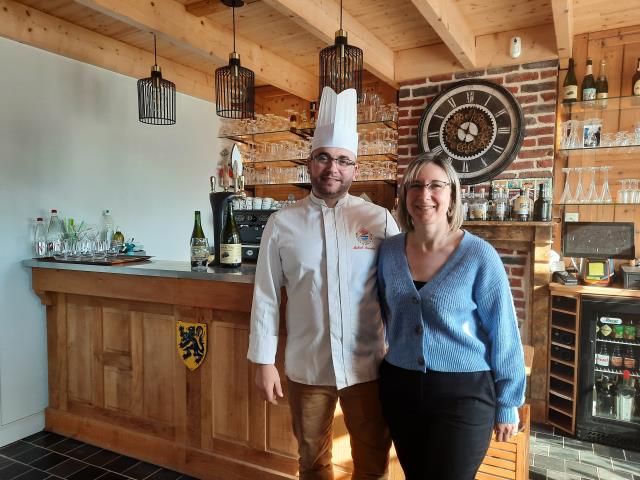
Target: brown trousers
[(312, 409)]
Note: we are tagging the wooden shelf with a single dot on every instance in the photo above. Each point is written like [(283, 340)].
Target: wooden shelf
[(492, 223), (561, 410), (615, 290), (564, 329), (561, 395), (568, 312), (564, 362), (559, 376), (558, 344)]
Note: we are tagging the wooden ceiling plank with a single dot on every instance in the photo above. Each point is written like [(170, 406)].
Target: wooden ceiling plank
[(563, 26), (199, 35), (449, 22), (32, 27), (322, 19), (538, 44), (205, 7)]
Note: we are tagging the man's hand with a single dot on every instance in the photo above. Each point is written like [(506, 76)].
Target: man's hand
[(268, 383), (504, 431)]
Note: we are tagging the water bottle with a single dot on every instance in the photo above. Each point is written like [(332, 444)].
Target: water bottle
[(40, 239), (108, 229), (55, 234)]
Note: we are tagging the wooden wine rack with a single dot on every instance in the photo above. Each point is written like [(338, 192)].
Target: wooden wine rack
[(562, 378)]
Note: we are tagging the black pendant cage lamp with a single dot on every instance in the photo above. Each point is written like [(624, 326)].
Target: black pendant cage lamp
[(235, 85), (156, 96), (341, 64)]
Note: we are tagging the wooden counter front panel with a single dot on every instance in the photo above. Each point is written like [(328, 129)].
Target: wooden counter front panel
[(115, 362)]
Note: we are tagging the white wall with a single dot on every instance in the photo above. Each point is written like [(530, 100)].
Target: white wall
[(70, 139)]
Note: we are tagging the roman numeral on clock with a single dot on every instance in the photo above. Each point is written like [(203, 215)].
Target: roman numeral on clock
[(452, 102), (484, 162), (470, 97), (501, 112), (433, 134), (504, 130), (437, 150), (465, 167), (497, 148)]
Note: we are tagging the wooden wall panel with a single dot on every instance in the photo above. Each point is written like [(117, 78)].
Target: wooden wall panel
[(117, 389), (79, 327), (116, 335), (158, 352), (230, 382)]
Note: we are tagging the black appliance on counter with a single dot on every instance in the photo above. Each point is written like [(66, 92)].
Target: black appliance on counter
[(218, 202), (603, 415), (251, 224)]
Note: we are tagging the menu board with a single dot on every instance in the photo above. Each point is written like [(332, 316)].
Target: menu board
[(598, 240)]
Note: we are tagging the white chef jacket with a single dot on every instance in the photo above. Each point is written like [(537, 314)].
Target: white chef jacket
[(326, 259)]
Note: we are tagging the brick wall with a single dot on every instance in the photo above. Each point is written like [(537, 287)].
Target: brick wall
[(535, 86)]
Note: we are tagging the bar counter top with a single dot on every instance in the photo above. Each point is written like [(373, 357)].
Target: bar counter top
[(156, 268)]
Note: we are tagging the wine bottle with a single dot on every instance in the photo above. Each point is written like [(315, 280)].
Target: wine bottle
[(589, 83), (199, 249), (602, 85), (635, 82), (312, 114), (542, 206), (230, 245), (570, 85)]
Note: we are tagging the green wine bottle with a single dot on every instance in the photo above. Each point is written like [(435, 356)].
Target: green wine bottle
[(570, 85), (589, 83), (230, 245), (197, 226)]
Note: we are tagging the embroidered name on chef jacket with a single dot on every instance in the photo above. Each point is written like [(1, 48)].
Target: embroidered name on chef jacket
[(365, 240)]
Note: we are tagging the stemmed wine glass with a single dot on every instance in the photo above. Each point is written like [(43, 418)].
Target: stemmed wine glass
[(605, 197), (566, 193), (592, 194), (578, 197)]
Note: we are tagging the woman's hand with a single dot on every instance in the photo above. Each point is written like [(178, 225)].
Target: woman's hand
[(504, 431)]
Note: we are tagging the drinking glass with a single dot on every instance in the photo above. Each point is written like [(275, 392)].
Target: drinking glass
[(579, 195), (635, 193), (592, 194), (566, 193), (605, 197), (199, 254)]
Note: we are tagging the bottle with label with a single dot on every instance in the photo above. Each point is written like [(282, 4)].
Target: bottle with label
[(570, 85), (602, 85), (199, 247), (605, 328), (107, 228), (491, 204), (602, 357), (520, 210), (616, 357), (630, 331), (480, 207), (589, 83), (618, 331), (625, 397), (464, 200), (628, 358), (312, 114), (635, 82), (542, 206), (40, 239), (55, 234), (230, 245)]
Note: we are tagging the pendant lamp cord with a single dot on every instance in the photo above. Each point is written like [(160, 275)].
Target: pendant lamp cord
[(155, 57), (234, 28), (340, 14)]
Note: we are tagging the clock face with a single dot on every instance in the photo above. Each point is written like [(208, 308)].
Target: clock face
[(477, 125)]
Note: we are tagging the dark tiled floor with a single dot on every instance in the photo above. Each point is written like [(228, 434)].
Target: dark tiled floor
[(46, 455), (50, 456)]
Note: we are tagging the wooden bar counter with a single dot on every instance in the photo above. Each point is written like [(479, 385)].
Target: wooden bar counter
[(116, 378)]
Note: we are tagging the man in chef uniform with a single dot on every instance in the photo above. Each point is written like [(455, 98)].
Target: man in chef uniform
[(323, 250)]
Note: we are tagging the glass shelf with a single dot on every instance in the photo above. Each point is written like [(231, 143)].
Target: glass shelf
[(294, 134), (307, 184), (374, 157), (612, 204), (608, 104), (613, 149)]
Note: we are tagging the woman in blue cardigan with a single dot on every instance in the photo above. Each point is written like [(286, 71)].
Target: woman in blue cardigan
[(454, 370)]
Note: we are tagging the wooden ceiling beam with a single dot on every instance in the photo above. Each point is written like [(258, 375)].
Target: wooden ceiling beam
[(322, 19), (563, 26), (209, 7), (32, 27), (449, 22), (538, 44), (169, 19)]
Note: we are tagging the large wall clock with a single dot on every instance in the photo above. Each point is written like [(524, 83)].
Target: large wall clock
[(478, 125)]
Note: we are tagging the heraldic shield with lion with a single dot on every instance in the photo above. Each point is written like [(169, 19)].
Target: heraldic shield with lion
[(192, 343)]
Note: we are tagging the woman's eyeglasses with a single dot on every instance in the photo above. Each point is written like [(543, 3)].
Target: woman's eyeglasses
[(436, 186)]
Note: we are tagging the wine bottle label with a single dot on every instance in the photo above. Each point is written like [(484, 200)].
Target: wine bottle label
[(616, 361), (602, 95), (636, 88), (479, 211), (629, 332), (521, 206), (629, 362), (602, 360), (605, 330), (230, 253), (618, 332), (570, 92), (589, 94)]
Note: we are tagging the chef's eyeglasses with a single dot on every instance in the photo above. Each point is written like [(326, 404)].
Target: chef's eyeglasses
[(436, 186), (342, 161)]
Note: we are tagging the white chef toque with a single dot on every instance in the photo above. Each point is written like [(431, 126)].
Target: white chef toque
[(337, 124)]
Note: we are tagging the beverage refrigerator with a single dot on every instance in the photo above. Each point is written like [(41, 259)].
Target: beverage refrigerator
[(608, 408)]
